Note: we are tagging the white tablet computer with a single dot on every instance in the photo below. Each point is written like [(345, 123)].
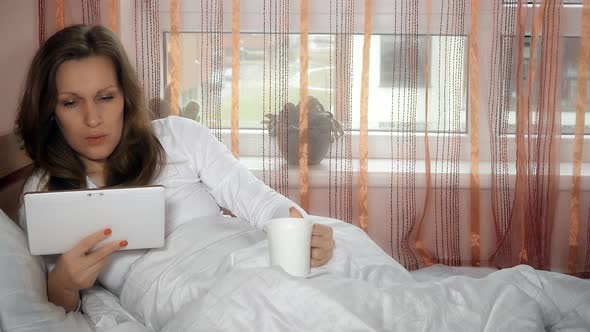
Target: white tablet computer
[(58, 220)]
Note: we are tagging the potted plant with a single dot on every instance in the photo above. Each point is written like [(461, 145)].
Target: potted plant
[(323, 129)]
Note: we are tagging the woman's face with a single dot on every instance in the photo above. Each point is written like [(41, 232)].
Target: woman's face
[(90, 107)]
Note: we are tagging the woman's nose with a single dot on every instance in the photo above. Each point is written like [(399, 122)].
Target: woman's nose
[(92, 116)]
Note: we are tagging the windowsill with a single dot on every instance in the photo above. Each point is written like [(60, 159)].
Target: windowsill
[(380, 148), (379, 173)]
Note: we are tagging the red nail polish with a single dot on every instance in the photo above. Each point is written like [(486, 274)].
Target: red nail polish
[(123, 243), (107, 231)]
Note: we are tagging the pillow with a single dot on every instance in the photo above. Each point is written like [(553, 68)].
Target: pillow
[(23, 294)]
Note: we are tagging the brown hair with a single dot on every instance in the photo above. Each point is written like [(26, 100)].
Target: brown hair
[(138, 157)]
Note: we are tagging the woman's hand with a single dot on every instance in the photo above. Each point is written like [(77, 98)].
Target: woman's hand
[(78, 269), (322, 242)]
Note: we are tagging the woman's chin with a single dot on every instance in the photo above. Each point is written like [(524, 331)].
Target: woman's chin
[(97, 155)]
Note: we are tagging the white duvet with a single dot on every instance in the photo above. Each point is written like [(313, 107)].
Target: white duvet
[(213, 275)]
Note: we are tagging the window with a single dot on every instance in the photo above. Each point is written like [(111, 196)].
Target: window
[(392, 48), (380, 89), (569, 51), (568, 81), (569, 30), (385, 93), (569, 87)]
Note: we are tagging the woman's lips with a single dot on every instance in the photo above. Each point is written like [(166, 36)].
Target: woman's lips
[(96, 140)]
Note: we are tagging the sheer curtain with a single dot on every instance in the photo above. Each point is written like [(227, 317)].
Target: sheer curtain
[(455, 128)]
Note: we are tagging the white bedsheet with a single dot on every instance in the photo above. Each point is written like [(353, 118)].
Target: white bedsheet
[(214, 275), (106, 314), (438, 272)]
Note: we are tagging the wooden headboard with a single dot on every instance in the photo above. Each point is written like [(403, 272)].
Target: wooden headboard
[(15, 168)]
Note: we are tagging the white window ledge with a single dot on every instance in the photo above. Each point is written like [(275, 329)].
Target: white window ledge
[(379, 175)]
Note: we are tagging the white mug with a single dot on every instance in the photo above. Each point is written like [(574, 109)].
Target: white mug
[(289, 241)]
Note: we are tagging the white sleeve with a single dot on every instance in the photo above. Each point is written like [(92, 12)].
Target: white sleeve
[(231, 184)]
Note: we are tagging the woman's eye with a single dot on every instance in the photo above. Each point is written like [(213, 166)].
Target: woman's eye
[(106, 98), (69, 103)]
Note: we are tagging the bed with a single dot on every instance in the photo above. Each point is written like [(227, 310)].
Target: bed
[(213, 275)]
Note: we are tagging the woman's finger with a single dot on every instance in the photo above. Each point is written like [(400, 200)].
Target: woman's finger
[(318, 253), (294, 213), (321, 230), (92, 264), (90, 241), (325, 256), (318, 241), (89, 275), (315, 263), (106, 250), (319, 262)]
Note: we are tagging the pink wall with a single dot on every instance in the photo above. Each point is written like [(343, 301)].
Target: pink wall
[(18, 37)]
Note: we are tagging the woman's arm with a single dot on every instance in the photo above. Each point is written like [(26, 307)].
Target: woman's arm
[(231, 184), (234, 187), (237, 189)]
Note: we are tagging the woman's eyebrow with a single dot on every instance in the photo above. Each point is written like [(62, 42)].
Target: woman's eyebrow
[(67, 93), (108, 87), (76, 94)]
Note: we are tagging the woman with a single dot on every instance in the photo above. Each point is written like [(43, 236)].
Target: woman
[(84, 124)]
